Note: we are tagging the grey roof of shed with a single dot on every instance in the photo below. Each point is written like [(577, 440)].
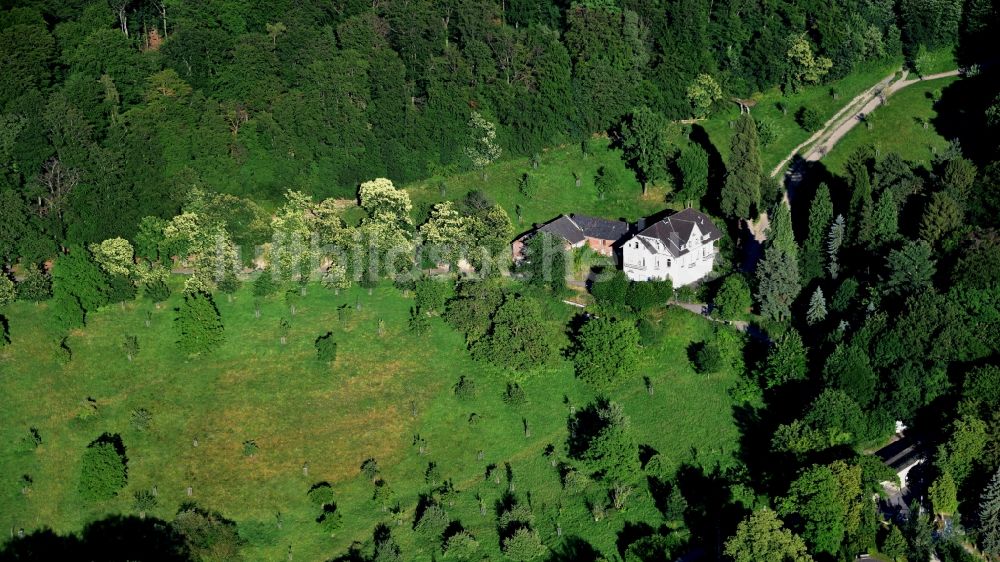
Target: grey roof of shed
[(575, 228), (675, 231)]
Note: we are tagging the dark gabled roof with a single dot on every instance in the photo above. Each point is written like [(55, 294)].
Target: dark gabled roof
[(575, 228), (604, 229), (565, 228), (675, 231)]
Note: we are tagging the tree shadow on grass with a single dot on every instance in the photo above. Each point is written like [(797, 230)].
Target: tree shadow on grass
[(115, 538)]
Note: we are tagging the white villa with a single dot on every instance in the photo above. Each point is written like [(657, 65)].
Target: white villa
[(680, 247)]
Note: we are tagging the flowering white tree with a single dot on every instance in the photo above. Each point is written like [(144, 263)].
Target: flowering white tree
[(385, 203), (483, 148)]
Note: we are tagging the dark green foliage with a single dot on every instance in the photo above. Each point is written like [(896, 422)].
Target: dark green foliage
[(644, 295), (612, 453), (326, 348), (606, 352), (431, 294), (809, 119), (786, 360), (910, 268), (527, 186), (777, 283), (432, 522), (844, 296), (514, 396), (848, 368), (741, 193), (518, 337), (229, 284), (199, 325), (732, 299), (611, 288), (693, 168), (545, 263), (156, 290), (206, 533), (465, 388), (102, 470), (708, 358), (989, 516), (36, 286), (265, 285), (644, 140), (418, 322)]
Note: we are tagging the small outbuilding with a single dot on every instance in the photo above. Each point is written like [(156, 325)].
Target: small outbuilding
[(577, 231)]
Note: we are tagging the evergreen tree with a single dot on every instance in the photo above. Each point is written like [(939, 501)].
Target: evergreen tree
[(199, 325), (741, 192), (817, 307), (820, 219), (834, 240), (989, 516), (942, 216), (777, 284), (779, 231), (911, 268)]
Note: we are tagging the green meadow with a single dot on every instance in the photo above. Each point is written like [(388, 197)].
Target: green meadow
[(383, 393)]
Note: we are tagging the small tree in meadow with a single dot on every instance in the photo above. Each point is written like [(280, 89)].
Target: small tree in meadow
[(102, 472), (130, 345), (708, 358), (265, 285), (156, 290), (198, 323), (326, 348), (143, 501), (370, 468)]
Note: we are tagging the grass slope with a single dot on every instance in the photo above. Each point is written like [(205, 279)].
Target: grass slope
[(897, 128), (333, 417), (788, 133)]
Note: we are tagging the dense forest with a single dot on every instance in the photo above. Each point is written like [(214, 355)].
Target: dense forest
[(112, 111), (147, 147)]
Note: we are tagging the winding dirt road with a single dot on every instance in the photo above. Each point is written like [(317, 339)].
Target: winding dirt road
[(822, 142)]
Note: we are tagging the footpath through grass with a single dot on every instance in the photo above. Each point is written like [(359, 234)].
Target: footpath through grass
[(380, 394), (788, 133), (898, 126)]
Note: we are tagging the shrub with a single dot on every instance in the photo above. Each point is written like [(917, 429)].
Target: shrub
[(514, 396), (265, 285), (524, 544), (708, 358), (370, 468), (612, 291), (35, 287), (430, 295), (732, 300), (156, 290), (418, 324), (331, 519), (326, 348), (320, 494), (102, 472), (766, 133), (461, 546), (141, 419), (250, 448), (143, 501), (433, 521), (809, 119), (465, 388), (29, 441)]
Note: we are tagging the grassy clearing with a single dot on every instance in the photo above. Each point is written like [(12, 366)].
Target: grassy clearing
[(333, 417), (788, 133), (898, 127), (556, 187)]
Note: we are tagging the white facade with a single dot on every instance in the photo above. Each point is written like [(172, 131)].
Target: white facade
[(646, 258)]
